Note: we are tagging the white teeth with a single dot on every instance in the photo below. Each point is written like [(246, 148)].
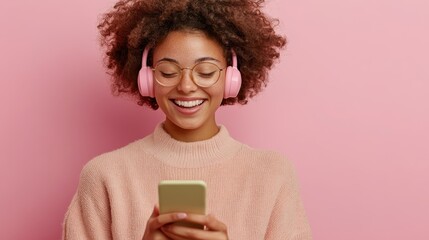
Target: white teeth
[(188, 104)]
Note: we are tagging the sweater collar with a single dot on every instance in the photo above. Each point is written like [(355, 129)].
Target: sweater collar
[(193, 154)]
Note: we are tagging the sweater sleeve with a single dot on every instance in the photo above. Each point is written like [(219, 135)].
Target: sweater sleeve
[(88, 216), (288, 219)]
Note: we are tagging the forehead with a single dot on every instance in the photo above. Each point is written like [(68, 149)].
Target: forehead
[(187, 46)]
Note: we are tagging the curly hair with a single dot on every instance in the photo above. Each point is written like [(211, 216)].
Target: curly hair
[(238, 24)]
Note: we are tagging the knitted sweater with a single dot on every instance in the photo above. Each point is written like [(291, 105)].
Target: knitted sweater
[(253, 192)]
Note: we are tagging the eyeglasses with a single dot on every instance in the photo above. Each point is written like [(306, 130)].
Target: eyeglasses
[(204, 74)]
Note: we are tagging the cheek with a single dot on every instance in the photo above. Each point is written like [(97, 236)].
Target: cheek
[(161, 92), (216, 95), (219, 88)]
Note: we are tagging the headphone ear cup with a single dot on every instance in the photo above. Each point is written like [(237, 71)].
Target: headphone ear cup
[(232, 82), (145, 82)]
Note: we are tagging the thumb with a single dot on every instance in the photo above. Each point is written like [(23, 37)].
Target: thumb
[(155, 212)]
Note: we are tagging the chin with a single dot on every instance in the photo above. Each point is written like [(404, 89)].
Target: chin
[(186, 125)]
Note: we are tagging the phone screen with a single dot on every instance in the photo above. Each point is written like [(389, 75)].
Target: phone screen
[(187, 196)]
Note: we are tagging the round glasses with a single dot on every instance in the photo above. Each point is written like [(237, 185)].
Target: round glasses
[(204, 74)]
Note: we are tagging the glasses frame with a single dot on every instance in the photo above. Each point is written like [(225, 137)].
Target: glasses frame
[(192, 75)]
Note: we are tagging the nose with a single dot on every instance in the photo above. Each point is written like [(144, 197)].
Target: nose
[(186, 84)]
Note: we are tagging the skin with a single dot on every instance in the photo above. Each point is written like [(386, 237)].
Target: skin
[(187, 48), (199, 123), (161, 227)]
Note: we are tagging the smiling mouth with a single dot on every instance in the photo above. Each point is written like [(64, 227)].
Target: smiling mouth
[(188, 104)]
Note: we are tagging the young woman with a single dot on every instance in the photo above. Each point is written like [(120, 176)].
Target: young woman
[(188, 57)]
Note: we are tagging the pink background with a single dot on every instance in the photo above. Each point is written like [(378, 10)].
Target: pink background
[(348, 104)]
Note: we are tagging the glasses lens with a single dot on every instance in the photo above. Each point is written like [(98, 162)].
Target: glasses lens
[(206, 74), (167, 74)]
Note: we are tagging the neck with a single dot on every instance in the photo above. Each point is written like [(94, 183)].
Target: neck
[(191, 135), (173, 152)]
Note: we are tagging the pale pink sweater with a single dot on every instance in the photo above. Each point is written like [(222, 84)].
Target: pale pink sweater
[(253, 192)]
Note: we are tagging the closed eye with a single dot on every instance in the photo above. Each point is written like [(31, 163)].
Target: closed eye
[(206, 75), (168, 75)]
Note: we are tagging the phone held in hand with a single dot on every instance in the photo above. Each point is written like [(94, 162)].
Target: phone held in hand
[(188, 196)]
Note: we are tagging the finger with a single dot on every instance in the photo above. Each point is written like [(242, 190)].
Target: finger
[(210, 221), (159, 221), (171, 235), (177, 232), (155, 212), (215, 225)]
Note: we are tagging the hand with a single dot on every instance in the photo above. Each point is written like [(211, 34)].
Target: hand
[(156, 221), (215, 229)]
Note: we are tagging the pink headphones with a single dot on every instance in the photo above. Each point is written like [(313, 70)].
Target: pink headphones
[(232, 78)]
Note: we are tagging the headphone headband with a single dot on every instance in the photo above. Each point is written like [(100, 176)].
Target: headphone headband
[(144, 56), (234, 58)]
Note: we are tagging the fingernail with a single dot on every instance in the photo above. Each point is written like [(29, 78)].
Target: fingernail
[(181, 215)]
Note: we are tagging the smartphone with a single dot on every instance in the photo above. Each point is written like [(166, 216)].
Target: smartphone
[(188, 196)]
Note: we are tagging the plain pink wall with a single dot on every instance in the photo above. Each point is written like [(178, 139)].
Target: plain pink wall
[(348, 104)]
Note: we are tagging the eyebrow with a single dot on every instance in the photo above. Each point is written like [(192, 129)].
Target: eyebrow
[(203, 59)]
